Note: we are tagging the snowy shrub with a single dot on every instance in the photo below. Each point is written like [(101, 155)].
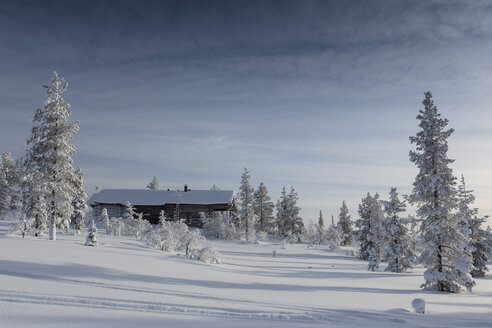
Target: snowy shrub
[(91, 239), (191, 242), (174, 236), (171, 234), (207, 255)]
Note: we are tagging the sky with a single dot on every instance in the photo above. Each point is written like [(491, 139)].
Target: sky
[(318, 95)]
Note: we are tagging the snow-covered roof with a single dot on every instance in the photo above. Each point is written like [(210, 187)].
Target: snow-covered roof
[(161, 197)]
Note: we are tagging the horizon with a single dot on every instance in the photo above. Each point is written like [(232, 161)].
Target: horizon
[(318, 95)]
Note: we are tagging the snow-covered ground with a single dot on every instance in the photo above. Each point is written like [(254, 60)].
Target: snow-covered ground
[(124, 283)]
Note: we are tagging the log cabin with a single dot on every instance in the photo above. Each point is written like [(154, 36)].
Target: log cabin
[(151, 202)]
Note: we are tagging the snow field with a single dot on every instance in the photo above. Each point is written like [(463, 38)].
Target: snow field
[(124, 283)]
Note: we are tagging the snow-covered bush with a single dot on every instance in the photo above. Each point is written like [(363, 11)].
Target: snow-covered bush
[(174, 236), (208, 255), (91, 239)]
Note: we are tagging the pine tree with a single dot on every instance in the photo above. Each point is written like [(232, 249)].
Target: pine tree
[(78, 203), (246, 211), (363, 225), (370, 233), (376, 234), (154, 184), (398, 251), (130, 219), (282, 214), (12, 171), (471, 226), (345, 226), (91, 239), (319, 236), (445, 256), (50, 150), (263, 209), (296, 223), (104, 219), (4, 190), (332, 237)]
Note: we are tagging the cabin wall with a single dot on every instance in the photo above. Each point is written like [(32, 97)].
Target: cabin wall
[(190, 213)]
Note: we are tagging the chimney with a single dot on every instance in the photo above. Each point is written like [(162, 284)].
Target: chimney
[(186, 188)]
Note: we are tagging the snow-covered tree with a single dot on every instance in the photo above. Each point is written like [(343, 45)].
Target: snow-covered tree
[(246, 210), (363, 225), (218, 225), (162, 217), (370, 234), (471, 226), (345, 226), (263, 209), (105, 221), (319, 231), (283, 214), (445, 256), (332, 237), (117, 226), (398, 252), (50, 151), (10, 183), (4, 190), (289, 224), (34, 206), (78, 203), (130, 219), (154, 184), (91, 239)]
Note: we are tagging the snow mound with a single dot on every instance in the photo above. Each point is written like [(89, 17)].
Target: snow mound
[(418, 305)]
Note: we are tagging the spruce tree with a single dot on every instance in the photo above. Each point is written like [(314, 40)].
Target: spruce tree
[(12, 171), (4, 190), (296, 223), (345, 226), (78, 203), (246, 211), (104, 219), (91, 239), (320, 230), (50, 151), (282, 214), (471, 225), (364, 226), (263, 209), (445, 255), (370, 233), (398, 252)]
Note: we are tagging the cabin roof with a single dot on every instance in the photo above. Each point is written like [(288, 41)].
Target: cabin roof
[(150, 197)]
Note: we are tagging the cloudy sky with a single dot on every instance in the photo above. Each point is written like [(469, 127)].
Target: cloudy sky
[(319, 95)]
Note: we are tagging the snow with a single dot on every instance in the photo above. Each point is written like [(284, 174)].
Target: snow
[(161, 197), (124, 283)]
